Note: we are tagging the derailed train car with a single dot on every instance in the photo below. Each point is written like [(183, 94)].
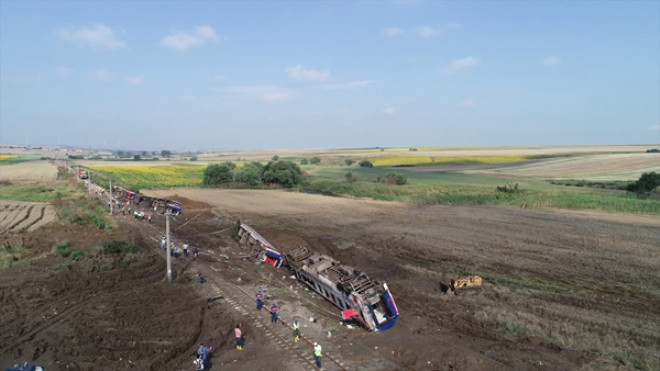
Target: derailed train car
[(361, 299)]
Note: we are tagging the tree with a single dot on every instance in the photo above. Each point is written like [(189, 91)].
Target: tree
[(349, 162), (137, 158), (282, 172), (646, 183), (276, 157), (217, 174), (165, 153), (365, 163), (249, 174), (315, 160)]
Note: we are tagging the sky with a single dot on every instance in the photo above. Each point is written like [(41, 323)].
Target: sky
[(255, 75)]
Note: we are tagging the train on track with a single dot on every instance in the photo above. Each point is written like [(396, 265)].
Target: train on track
[(361, 299)]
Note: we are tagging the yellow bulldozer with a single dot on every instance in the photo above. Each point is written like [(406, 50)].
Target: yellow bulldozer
[(461, 283)]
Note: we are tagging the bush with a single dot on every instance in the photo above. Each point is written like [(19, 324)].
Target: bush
[(282, 172), (304, 161), (653, 150), (646, 183), (77, 255), (315, 161), (63, 249), (394, 179), (349, 162), (117, 247), (366, 163), (508, 188), (217, 174), (275, 158), (350, 177)]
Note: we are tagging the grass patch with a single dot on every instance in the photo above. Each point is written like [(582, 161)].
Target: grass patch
[(82, 211), (63, 249), (77, 255), (12, 254), (29, 193)]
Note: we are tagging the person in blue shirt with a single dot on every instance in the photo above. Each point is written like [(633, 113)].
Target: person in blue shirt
[(203, 352)]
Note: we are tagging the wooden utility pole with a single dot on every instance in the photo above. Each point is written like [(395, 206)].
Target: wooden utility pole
[(169, 249)]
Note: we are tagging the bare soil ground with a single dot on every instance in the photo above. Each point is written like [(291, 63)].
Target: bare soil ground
[(559, 286)]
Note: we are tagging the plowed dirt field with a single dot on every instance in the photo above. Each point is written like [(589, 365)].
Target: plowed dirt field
[(557, 286)]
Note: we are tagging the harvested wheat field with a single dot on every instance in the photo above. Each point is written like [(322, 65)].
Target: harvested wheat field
[(31, 171)]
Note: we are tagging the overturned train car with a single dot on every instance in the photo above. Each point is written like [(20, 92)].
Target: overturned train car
[(366, 301), (361, 299)]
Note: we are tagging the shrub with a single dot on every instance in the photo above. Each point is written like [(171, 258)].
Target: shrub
[(304, 161), (275, 158), (653, 150), (63, 249), (394, 179), (508, 188), (646, 183), (349, 162), (117, 247), (194, 158), (350, 177), (315, 161), (366, 163), (77, 255)]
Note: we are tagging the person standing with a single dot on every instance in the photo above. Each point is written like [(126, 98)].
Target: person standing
[(273, 313), (239, 337), (185, 249), (203, 352), (259, 297), (296, 331), (317, 354), (177, 253), (164, 244), (196, 251)]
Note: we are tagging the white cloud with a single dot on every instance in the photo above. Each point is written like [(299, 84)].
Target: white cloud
[(426, 31), (219, 78), (62, 71), (307, 75), (188, 98), (258, 92), (184, 40), (655, 127), (551, 61), (389, 111), (103, 75), (97, 36), (277, 97), (467, 103), (392, 32), (347, 85), (461, 65), (136, 80)]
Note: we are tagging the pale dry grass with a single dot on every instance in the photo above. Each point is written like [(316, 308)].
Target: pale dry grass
[(29, 171), (609, 167)]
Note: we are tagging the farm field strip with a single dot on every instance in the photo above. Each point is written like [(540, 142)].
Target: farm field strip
[(18, 216), (155, 176)]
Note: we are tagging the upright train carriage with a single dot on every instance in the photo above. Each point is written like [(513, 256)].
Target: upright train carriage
[(361, 299)]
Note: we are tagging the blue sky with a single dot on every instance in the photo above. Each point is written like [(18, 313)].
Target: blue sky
[(239, 75)]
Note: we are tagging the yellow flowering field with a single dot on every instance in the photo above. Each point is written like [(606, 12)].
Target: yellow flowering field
[(7, 157), (155, 176), (388, 161)]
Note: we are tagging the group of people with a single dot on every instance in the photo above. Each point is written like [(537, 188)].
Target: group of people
[(177, 251)]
